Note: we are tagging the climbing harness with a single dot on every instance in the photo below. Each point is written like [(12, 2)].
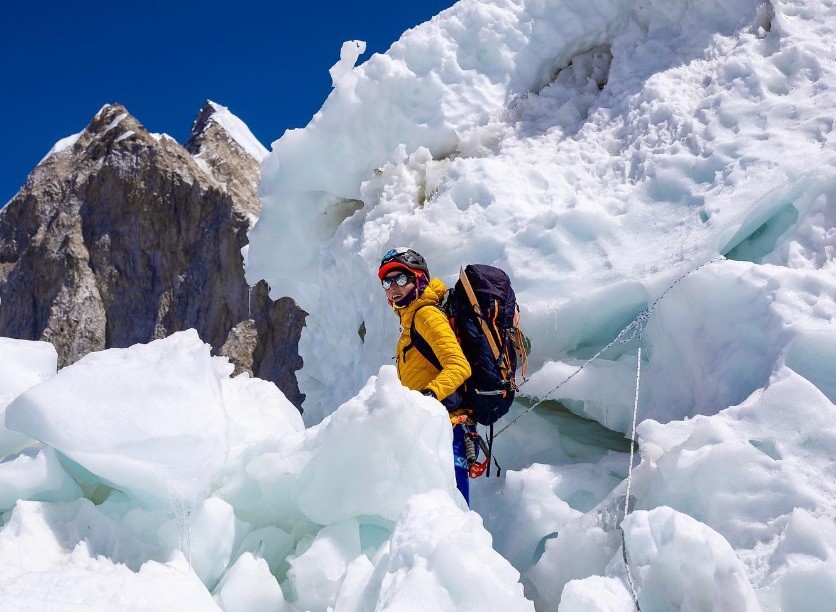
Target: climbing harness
[(475, 467), (634, 329), (472, 441)]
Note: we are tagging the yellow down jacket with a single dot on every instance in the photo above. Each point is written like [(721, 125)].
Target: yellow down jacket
[(414, 371)]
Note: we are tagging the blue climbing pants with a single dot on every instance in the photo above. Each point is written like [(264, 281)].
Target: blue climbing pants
[(460, 463)]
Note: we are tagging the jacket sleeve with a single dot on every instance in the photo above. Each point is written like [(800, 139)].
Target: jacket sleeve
[(435, 329)]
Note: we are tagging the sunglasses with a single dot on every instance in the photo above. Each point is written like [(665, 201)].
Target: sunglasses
[(401, 280)]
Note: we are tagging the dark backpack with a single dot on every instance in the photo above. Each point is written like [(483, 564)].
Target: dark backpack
[(482, 310)]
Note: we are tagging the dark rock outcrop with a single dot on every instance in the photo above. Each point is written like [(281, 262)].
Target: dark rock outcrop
[(121, 236)]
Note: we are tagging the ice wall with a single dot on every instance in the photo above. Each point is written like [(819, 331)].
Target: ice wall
[(598, 152)]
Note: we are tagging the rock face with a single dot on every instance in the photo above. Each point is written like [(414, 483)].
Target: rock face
[(120, 236)]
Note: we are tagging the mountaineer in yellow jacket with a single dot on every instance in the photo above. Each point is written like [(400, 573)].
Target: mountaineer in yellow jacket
[(414, 296)]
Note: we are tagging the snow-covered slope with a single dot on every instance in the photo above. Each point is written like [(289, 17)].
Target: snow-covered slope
[(666, 134), (238, 131), (606, 153)]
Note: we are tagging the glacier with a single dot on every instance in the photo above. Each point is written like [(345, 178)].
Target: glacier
[(606, 153)]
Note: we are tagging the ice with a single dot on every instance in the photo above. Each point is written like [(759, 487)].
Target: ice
[(813, 355), (25, 363), (250, 587), (410, 435), (36, 474), (328, 471), (272, 543), (596, 594), (590, 549), (72, 557), (531, 506), (214, 534), (757, 461), (803, 572), (147, 419), (341, 72), (316, 574), (357, 576), (439, 79), (679, 563), (745, 474), (440, 557), (260, 434)]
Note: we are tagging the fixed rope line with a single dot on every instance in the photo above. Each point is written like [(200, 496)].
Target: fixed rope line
[(635, 327), (619, 338), (622, 337), (641, 321)]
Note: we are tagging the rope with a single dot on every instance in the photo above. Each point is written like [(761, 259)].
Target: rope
[(636, 326), (622, 337), (633, 444)]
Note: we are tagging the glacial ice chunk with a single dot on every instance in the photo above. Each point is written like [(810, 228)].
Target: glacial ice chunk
[(35, 474), (327, 472), (57, 554), (679, 563), (250, 587), (317, 573), (440, 558), (25, 364), (149, 419)]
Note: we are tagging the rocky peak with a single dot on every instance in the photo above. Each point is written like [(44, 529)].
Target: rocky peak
[(219, 142), (114, 120), (121, 236)]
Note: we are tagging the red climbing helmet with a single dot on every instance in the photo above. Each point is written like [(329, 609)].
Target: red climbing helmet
[(403, 258)]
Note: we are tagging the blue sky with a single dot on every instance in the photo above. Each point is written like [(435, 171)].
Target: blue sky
[(61, 61)]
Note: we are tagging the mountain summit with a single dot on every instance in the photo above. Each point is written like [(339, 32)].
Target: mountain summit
[(121, 236)]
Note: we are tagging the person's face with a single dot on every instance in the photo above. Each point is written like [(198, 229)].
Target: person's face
[(396, 292)]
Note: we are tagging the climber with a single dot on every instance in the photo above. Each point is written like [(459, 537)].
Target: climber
[(406, 280)]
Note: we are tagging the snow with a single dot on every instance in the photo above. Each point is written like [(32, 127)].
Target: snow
[(124, 136), (116, 121), (664, 545), (249, 587), (440, 558), (158, 137), (63, 144), (612, 156), (239, 131), (70, 556)]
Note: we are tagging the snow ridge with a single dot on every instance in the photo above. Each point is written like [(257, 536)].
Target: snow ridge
[(239, 131)]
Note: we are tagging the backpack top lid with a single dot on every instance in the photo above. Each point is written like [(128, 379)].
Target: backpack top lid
[(488, 282)]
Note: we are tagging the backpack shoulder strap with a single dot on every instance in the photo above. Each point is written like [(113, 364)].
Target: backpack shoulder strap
[(421, 345)]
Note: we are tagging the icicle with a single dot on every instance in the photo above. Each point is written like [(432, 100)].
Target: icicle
[(611, 514), (184, 513)]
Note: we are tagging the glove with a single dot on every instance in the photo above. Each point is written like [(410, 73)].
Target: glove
[(429, 393)]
